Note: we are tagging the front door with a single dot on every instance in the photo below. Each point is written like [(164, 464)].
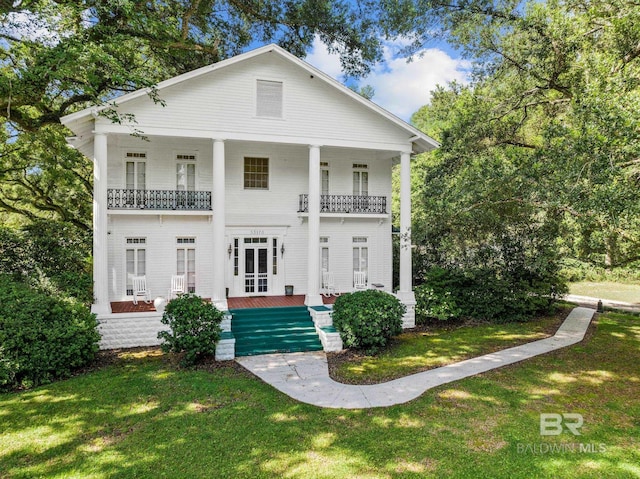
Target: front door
[(256, 268)]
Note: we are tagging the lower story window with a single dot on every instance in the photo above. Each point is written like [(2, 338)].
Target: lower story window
[(186, 266), (361, 260), (136, 258)]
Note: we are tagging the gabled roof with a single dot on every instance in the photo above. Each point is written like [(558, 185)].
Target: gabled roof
[(81, 120)]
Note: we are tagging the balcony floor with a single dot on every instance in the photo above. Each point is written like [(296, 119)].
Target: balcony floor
[(233, 303)]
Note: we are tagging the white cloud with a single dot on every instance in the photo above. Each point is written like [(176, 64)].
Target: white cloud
[(401, 87), (324, 61)]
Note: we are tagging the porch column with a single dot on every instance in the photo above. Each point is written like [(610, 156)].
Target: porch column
[(218, 296), (405, 292), (101, 303), (313, 297)]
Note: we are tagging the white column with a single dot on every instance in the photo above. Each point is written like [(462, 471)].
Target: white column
[(313, 270), (101, 303), (218, 296), (406, 283)]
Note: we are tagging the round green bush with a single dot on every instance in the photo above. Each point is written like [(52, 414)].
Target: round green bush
[(368, 319), (195, 328), (42, 337)]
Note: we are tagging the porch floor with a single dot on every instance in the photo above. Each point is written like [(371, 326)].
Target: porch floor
[(233, 303)]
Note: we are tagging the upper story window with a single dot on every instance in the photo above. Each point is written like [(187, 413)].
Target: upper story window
[(324, 178), (136, 170), (269, 99), (256, 173), (185, 172), (360, 179)]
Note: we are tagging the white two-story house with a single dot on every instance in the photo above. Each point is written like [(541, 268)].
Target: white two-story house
[(252, 174)]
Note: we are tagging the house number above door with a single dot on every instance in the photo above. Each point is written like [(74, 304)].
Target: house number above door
[(257, 232)]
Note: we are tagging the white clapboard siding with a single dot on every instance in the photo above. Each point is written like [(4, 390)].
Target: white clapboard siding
[(161, 251), (225, 100)]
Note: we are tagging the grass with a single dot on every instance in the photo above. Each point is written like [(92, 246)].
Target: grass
[(140, 417), (438, 345), (625, 292)]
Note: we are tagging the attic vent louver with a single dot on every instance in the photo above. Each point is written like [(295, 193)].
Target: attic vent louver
[(269, 99)]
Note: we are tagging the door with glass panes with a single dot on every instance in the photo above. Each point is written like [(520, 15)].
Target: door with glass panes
[(256, 265)]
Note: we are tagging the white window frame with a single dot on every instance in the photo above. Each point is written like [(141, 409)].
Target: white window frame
[(134, 244), (187, 161), (137, 156), (361, 245), (325, 173), (259, 81), (186, 244), (359, 171)]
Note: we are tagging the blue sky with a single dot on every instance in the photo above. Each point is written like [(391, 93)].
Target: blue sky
[(401, 87)]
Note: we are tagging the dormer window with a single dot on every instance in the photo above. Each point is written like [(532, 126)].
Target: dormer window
[(269, 99)]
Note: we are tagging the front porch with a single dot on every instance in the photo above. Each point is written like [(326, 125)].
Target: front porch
[(118, 307)]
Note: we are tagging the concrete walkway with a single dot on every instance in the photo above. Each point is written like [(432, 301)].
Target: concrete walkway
[(590, 301), (305, 376)]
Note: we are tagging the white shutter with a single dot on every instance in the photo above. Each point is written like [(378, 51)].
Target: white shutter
[(269, 99)]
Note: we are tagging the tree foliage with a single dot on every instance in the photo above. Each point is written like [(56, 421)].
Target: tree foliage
[(544, 141), (50, 256), (58, 56)]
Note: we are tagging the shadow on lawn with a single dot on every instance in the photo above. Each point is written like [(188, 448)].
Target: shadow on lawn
[(143, 418)]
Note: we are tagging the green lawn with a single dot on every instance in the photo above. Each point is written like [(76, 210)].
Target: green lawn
[(628, 293), (143, 418), (439, 345)]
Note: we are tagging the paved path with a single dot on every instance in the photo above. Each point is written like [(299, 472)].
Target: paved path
[(305, 376), (593, 302)]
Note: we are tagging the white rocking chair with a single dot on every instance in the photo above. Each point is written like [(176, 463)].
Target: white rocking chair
[(177, 286), (328, 284), (359, 280), (140, 289)]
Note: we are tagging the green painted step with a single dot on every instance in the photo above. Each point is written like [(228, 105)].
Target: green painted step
[(271, 325), (282, 334), (256, 351), (271, 330)]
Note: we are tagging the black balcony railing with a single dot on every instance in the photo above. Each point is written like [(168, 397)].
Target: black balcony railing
[(346, 204), (129, 199)]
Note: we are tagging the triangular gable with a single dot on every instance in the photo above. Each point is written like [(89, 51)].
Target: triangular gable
[(176, 88)]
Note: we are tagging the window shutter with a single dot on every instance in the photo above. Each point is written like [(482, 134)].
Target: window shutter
[(269, 99)]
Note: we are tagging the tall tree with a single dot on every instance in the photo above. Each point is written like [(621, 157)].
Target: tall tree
[(57, 56), (548, 126)]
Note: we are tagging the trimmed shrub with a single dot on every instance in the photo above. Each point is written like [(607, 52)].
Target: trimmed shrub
[(435, 298), (42, 338), (195, 328), (486, 293), (368, 319)]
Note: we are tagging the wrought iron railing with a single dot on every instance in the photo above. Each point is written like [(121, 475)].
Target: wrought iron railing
[(130, 199), (346, 204)]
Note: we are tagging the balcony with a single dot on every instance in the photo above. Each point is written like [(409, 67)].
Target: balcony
[(347, 204), (158, 200)]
